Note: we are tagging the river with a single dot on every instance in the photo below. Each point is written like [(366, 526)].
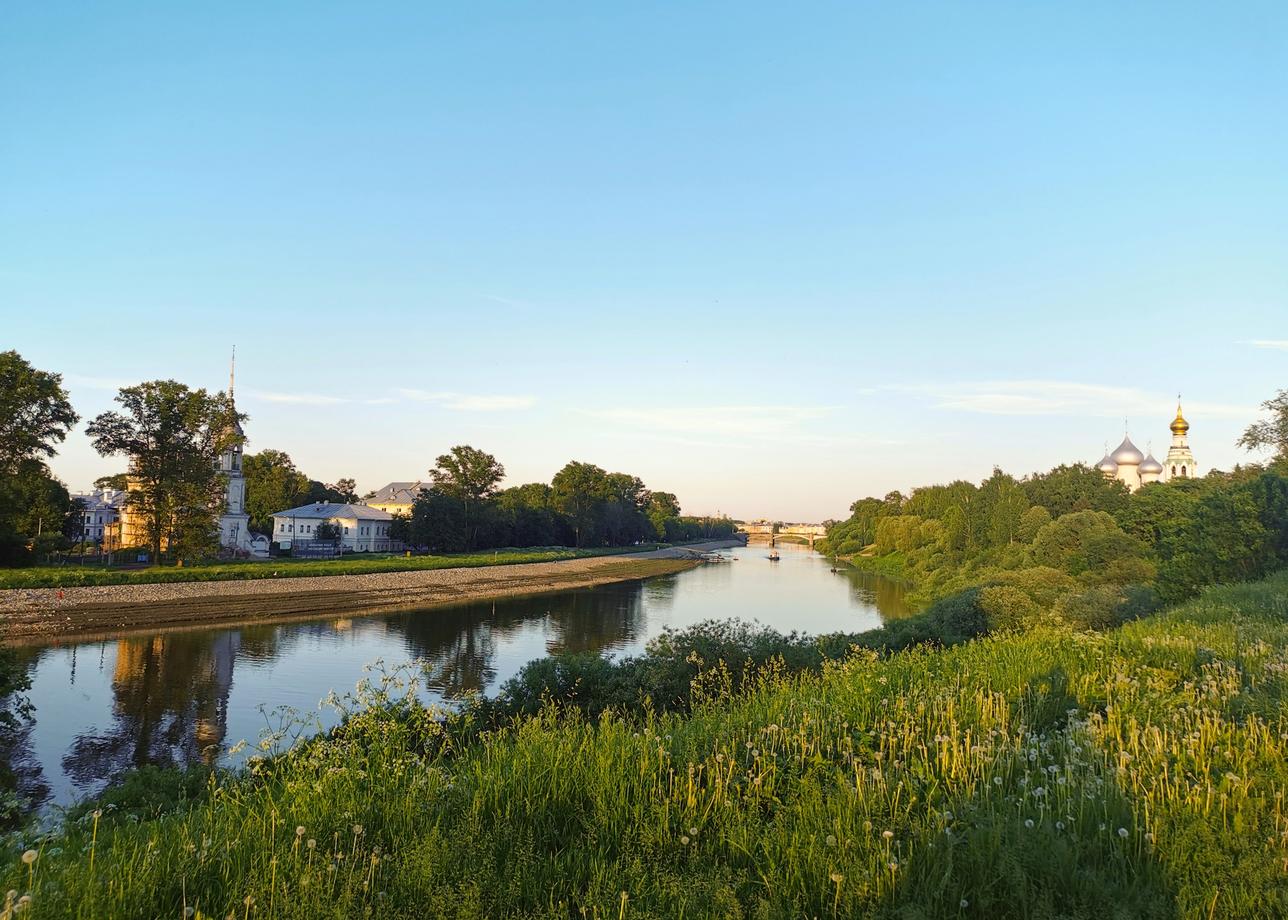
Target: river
[(187, 696)]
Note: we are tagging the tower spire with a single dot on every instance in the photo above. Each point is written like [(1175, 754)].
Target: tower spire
[(232, 373)]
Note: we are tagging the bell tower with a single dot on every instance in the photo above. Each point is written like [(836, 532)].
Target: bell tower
[(1180, 459), (234, 523)]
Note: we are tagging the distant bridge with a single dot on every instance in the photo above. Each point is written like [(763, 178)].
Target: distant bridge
[(793, 533)]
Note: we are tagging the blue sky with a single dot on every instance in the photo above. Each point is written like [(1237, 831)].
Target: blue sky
[(772, 257)]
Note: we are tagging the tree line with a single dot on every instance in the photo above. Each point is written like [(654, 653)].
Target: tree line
[(583, 505), (1077, 543), (171, 437)]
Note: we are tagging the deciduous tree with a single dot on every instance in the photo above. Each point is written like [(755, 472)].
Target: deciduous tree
[(173, 437)]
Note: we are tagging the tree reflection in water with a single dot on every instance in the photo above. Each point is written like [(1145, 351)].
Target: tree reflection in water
[(885, 594), (20, 769), (170, 705), (459, 644)]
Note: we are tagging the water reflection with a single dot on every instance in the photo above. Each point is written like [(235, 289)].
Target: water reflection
[(169, 706), (183, 698)]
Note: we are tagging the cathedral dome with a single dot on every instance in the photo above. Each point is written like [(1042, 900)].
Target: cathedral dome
[(1127, 454), (1107, 466), (1150, 465), (1179, 425)]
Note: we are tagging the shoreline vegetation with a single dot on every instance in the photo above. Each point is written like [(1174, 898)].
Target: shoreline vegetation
[(29, 615), (1044, 772)]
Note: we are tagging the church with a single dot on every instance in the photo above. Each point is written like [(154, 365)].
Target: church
[(235, 536), (1134, 469)]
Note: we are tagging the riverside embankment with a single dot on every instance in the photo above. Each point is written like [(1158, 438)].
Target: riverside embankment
[(42, 614)]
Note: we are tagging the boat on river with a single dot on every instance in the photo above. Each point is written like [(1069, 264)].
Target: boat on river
[(773, 556)]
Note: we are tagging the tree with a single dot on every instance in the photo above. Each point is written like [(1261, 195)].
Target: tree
[(662, 507), (35, 413), (327, 530), (347, 489), (173, 437), (579, 493), (1271, 433), (273, 484), (1075, 487), (467, 473), (470, 476)]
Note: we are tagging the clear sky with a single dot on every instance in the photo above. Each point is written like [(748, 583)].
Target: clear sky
[(771, 257)]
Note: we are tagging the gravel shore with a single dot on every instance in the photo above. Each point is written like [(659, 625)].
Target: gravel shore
[(50, 613)]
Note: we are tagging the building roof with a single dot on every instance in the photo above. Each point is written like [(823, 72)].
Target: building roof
[(400, 493), (1127, 454), (328, 510), (1150, 465), (102, 499)]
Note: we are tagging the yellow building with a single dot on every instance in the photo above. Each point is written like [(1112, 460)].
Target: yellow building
[(397, 497)]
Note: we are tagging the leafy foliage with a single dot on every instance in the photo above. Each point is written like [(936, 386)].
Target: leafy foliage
[(173, 437)]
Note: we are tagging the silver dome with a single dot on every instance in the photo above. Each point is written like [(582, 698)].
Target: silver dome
[(1107, 466), (1127, 454), (1150, 465)]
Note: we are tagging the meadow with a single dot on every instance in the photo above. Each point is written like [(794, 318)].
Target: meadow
[(1137, 772), (67, 576)]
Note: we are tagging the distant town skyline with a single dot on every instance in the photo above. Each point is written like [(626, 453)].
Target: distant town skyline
[(770, 261)]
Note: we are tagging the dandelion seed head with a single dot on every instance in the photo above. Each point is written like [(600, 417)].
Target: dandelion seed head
[(887, 834), (831, 840), (29, 857), (299, 831), (1122, 832), (1028, 822), (684, 840)]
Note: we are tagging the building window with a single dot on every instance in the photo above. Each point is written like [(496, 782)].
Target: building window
[(1183, 473)]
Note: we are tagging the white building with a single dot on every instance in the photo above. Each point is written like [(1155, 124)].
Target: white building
[(1134, 469), (100, 510), (362, 529)]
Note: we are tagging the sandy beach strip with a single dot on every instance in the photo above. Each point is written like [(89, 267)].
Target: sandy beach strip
[(43, 614)]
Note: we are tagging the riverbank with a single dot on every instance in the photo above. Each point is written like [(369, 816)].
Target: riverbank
[(1132, 773), (39, 615)]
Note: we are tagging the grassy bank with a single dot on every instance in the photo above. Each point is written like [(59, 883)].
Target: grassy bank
[(1133, 773), (75, 576), (889, 566)]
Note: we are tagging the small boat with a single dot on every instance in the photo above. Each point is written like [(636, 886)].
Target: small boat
[(773, 557)]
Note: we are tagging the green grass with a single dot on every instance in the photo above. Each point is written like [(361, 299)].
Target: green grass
[(1134, 773), (73, 576)]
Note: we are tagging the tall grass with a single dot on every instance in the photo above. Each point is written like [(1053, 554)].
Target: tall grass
[(1135, 773), (74, 576)]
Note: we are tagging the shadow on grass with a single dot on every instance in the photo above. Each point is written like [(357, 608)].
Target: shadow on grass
[(1056, 840)]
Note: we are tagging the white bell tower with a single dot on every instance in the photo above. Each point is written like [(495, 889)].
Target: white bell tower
[(1180, 459), (234, 523)]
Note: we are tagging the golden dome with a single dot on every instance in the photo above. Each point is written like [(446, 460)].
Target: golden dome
[(1179, 425)]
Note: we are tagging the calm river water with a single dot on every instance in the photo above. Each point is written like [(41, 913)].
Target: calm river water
[(181, 697)]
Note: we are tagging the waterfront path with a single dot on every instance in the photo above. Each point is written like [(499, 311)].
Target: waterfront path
[(42, 614)]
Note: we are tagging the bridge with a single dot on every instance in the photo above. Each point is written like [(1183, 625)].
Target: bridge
[(762, 531)]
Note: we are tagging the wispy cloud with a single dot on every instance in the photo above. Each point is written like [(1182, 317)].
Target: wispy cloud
[(95, 383), (466, 402), (1277, 344), (316, 399), (508, 301), (735, 420), (1054, 397)]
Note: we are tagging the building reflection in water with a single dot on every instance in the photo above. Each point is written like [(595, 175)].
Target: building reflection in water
[(169, 707)]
